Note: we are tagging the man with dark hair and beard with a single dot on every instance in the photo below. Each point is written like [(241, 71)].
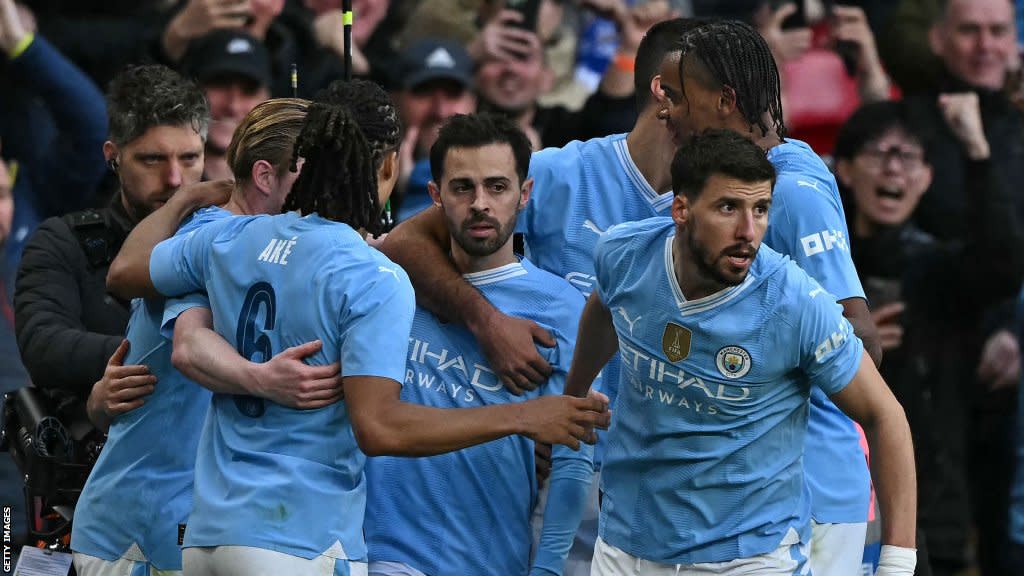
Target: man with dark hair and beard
[(67, 325), (722, 340), (479, 170)]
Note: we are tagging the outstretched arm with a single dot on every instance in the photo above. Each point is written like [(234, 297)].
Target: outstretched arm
[(596, 343), (128, 276), (384, 425), (856, 311), (420, 246), (206, 358)]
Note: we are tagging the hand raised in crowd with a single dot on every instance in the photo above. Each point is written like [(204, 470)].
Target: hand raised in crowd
[(962, 112), (632, 22), (501, 39), (122, 388), (890, 330), (200, 17), (508, 344), (288, 380), (12, 25), (1000, 361), (785, 44), (564, 420), (330, 33)]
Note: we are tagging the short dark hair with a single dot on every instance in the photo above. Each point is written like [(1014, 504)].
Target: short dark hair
[(872, 121), (141, 97), (718, 151), (474, 131), (731, 53), (659, 41), (941, 8), (349, 128)]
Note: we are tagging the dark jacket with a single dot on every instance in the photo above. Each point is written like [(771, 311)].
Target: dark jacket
[(601, 115), (67, 324)]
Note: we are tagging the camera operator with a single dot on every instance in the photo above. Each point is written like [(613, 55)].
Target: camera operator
[(67, 325)]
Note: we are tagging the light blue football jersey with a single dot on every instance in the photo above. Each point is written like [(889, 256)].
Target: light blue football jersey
[(703, 458), (269, 476), (806, 222), (580, 190), (467, 513), (140, 489)]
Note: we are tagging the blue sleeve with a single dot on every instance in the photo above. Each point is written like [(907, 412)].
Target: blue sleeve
[(375, 326), (178, 265), (607, 260), (174, 307), (808, 225), (570, 479), (830, 353), (67, 163), (571, 471)]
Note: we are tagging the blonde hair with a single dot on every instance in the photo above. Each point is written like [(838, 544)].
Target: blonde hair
[(268, 132)]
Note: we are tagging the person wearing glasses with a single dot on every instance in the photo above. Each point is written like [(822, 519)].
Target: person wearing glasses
[(912, 280)]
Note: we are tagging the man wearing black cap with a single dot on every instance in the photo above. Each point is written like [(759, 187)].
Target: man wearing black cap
[(233, 70), (436, 83)]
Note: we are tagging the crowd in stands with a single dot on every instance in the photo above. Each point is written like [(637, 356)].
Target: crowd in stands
[(917, 107)]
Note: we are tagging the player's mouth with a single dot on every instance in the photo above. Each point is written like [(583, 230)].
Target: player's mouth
[(740, 258), (481, 229)]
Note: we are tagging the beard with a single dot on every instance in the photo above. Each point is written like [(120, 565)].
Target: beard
[(479, 247), (707, 263)]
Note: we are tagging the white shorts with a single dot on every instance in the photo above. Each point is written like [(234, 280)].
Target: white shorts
[(86, 565), (786, 560), (251, 561), (837, 549)]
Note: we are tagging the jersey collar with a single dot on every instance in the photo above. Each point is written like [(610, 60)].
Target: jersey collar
[(659, 202), (690, 307)]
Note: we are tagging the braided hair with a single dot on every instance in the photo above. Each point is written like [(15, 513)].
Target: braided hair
[(731, 53), (350, 128)]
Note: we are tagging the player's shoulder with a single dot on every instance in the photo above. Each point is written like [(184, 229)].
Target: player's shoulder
[(800, 171), (202, 217), (636, 234), (572, 153), (792, 287), (550, 286)]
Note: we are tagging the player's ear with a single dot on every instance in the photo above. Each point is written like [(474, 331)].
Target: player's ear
[(435, 192), (524, 192), (263, 175), (726, 100), (680, 208)]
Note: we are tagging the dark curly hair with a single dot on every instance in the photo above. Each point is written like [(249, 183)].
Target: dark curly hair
[(349, 128), (141, 97), (731, 53)]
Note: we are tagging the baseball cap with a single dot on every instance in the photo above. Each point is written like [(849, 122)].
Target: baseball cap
[(228, 53), (435, 58)]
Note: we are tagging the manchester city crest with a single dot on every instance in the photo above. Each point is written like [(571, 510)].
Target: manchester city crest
[(733, 362)]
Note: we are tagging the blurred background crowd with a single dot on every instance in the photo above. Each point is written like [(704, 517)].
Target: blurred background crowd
[(917, 105)]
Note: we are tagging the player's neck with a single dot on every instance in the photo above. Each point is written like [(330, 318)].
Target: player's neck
[(651, 148), (466, 263), (244, 201)]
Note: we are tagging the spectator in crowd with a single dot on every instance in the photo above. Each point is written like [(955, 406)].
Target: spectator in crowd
[(52, 127), (233, 71), (511, 76), (975, 135), (479, 166), (437, 83), (883, 174), (67, 324)]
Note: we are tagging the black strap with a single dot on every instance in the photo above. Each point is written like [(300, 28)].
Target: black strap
[(97, 235)]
